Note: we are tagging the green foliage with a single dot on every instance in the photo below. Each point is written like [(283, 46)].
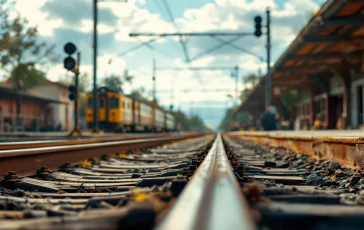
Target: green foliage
[(83, 82), (138, 94), (241, 117), (117, 82), (244, 94), (21, 53), (252, 79), (19, 45), (290, 97), (26, 76), (113, 81), (197, 124), (194, 123)]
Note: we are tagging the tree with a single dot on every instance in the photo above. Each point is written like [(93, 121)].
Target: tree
[(241, 117), (83, 85), (117, 82), (244, 94), (197, 124), (21, 52), (113, 81), (252, 79), (138, 94), (194, 123)]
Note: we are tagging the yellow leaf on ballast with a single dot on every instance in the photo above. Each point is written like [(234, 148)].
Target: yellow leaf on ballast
[(122, 155), (141, 197), (86, 164)]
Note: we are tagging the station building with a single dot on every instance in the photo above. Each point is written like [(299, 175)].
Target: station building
[(43, 107), (325, 64)]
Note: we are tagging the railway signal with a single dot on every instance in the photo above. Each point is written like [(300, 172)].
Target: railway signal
[(73, 92), (69, 62), (72, 65), (258, 26), (258, 33)]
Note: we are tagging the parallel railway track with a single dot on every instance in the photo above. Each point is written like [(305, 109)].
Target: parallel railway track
[(26, 160), (201, 183), (16, 144)]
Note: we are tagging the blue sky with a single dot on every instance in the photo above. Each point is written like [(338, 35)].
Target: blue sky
[(71, 20)]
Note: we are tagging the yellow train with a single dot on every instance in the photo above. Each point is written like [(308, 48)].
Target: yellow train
[(119, 112)]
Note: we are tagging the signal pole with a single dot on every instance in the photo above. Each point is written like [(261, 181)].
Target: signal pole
[(236, 85), (268, 83), (77, 129), (77, 90)]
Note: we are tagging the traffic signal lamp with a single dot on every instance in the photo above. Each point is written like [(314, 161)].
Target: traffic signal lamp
[(73, 92), (69, 62), (258, 26)]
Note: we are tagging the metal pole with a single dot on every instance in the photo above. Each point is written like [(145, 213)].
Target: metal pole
[(154, 80), (236, 85), (95, 107), (77, 90), (232, 75), (268, 83)]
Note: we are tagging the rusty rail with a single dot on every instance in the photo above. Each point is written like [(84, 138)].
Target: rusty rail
[(58, 142), (212, 199), (26, 161)]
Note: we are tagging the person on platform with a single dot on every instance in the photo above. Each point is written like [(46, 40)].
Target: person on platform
[(268, 119), (317, 125)]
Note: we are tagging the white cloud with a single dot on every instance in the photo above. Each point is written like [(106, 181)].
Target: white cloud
[(32, 11)]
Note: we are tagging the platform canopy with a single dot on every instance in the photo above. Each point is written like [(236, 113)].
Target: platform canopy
[(334, 35)]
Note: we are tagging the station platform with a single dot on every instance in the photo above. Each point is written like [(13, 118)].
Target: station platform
[(336, 145)]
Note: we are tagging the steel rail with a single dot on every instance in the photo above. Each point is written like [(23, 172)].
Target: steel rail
[(58, 142), (212, 198), (26, 161)]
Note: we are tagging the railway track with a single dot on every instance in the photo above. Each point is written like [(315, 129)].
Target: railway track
[(26, 160), (118, 191), (201, 183), (22, 144), (287, 190)]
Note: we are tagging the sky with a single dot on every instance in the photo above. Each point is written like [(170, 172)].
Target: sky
[(195, 92)]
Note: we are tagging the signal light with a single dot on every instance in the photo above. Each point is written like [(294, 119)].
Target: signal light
[(258, 26), (70, 48), (69, 62), (73, 92)]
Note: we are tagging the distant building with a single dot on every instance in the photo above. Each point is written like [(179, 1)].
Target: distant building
[(34, 111), (62, 108)]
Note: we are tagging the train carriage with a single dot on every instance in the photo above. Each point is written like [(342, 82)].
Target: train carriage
[(158, 120), (122, 113), (146, 116), (115, 110), (170, 122)]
